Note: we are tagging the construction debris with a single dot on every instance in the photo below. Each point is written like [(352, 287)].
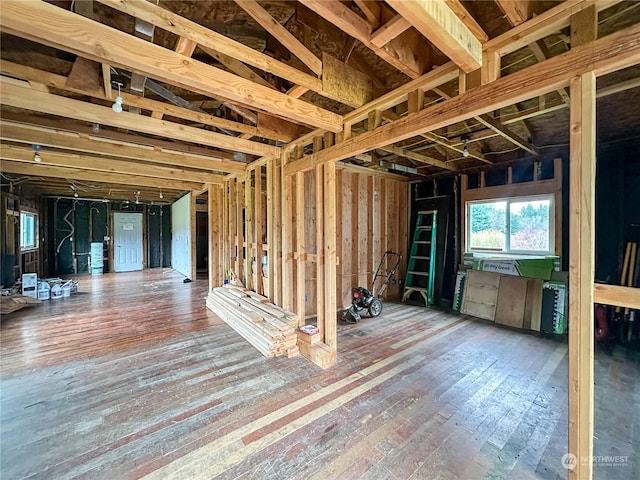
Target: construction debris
[(269, 328)]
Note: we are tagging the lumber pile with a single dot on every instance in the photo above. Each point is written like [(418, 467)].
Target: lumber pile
[(9, 304), (269, 328)]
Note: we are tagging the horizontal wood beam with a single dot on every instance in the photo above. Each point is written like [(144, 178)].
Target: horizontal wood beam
[(33, 169), (616, 295), (390, 30), (90, 162), (54, 26), (615, 52), (402, 56), (174, 23), (466, 18), (516, 11), (432, 79), (438, 23), (59, 81), (280, 33), (20, 95), (82, 142), (543, 25), (401, 152)]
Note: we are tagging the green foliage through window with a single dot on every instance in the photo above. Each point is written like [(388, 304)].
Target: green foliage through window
[(515, 225)]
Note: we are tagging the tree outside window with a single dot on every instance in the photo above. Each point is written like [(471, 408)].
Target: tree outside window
[(521, 225)]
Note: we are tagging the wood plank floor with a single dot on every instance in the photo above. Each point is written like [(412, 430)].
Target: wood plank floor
[(134, 378)]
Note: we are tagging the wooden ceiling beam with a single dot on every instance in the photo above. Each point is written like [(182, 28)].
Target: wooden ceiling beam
[(280, 33), (18, 95), (371, 10), (401, 54), (82, 142), (438, 23), (516, 11), (31, 74), (498, 128), (174, 23), (543, 25), (465, 17), (390, 30), (54, 26), (20, 168), (402, 152), (434, 78), (606, 55), (102, 164)]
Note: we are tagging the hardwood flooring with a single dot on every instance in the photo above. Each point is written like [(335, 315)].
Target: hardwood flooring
[(134, 378)]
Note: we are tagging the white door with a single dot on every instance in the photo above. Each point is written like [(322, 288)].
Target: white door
[(128, 241)]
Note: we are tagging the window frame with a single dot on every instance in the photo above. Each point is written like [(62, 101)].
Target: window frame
[(36, 240), (509, 200)]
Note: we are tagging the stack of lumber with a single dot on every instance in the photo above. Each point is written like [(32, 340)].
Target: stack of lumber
[(269, 328), (9, 304)]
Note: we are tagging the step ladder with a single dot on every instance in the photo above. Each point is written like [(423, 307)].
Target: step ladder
[(421, 264)]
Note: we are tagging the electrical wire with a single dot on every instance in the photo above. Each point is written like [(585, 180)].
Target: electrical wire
[(73, 228)]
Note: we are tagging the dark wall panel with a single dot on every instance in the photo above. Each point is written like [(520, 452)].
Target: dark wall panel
[(166, 235), (82, 236), (154, 235)]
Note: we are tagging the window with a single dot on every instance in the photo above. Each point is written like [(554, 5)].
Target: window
[(515, 225), (28, 231)]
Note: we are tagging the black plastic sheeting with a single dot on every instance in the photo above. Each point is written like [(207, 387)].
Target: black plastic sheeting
[(77, 223)]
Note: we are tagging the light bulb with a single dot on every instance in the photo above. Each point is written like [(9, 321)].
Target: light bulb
[(465, 151), (37, 158), (117, 105), (75, 194), (161, 195)]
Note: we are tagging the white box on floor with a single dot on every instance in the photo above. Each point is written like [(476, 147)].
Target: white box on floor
[(30, 285)]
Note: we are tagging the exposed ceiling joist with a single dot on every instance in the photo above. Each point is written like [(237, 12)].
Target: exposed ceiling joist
[(438, 23), (516, 11), (465, 17), (284, 36), (402, 152), (401, 53), (20, 95), (615, 52), (101, 164), (51, 25), (191, 114), (49, 137), (390, 30), (540, 26), (20, 168)]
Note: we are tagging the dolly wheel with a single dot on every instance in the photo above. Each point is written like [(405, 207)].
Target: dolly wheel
[(375, 307)]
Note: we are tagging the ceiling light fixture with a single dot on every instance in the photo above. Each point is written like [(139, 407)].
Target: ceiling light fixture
[(465, 150), (117, 81), (36, 156), (161, 195)]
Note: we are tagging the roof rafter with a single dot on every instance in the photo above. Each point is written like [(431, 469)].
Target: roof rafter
[(399, 52), (614, 52), (51, 25), (438, 23)]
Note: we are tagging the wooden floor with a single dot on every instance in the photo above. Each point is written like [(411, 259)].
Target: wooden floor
[(133, 377)]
